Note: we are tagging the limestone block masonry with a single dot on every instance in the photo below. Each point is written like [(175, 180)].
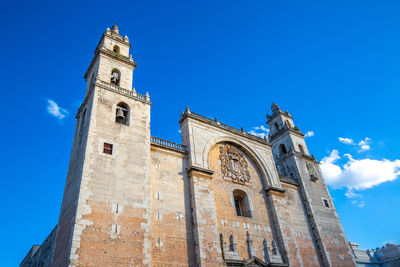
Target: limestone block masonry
[(223, 197)]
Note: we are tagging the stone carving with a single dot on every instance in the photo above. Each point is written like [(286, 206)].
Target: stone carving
[(312, 171), (234, 165), (106, 102)]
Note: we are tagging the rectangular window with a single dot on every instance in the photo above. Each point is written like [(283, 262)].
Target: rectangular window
[(108, 148), (326, 203)]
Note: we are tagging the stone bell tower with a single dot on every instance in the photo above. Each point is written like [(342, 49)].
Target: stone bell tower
[(294, 162), (104, 218)]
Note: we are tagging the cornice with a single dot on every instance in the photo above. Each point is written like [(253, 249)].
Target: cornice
[(284, 130), (127, 60), (273, 189), (280, 112), (122, 91), (200, 172), (216, 123)]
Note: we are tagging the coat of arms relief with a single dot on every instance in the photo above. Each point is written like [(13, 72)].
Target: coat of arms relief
[(234, 165)]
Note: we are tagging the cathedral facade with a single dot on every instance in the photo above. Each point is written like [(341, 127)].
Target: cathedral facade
[(223, 197)]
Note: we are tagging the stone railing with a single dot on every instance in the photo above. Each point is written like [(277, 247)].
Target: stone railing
[(222, 125), (168, 144), (116, 88)]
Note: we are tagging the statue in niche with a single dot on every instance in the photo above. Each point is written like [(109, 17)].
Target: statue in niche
[(115, 77), (234, 165), (311, 171)]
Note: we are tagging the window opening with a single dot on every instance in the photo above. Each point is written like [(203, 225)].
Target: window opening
[(276, 127), (242, 206), (108, 148), (115, 77), (326, 203), (122, 114), (282, 149), (301, 149)]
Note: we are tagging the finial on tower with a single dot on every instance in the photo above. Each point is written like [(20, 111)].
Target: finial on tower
[(275, 108), (115, 29)]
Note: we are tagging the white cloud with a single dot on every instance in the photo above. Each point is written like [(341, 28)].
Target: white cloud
[(55, 110), (309, 134), (364, 144), (351, 194), (179, 131), (358, 174), (347, 141), (260, 131)]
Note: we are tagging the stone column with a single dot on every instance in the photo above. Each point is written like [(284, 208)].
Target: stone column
[(205, 225)]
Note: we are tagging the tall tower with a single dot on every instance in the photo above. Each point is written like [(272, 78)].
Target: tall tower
[(294, 162), (104, 218)]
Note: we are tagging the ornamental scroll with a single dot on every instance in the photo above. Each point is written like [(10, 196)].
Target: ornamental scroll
[(234, 165)]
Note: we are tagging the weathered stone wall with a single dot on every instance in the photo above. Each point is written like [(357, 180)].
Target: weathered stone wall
[(171, 225), (331, 233), (300, 248), (112, 224), (66, 221), (229, 223)]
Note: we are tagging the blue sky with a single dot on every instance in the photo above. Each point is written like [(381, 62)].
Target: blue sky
[(333, 64)]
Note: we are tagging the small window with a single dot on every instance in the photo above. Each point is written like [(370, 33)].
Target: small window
[(326, 203), (232, 244), (288, 123), (115, 77), (282, 149), (116, 49), (301, 149), (108, 148), (276, 127), (241, 203), (122, 114)]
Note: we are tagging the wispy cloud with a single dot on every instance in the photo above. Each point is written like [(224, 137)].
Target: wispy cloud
[(358, 174), (351, 194), (260, 131), (55, 110), (359, 203), (309, 134), (364, 145), (347, 141)]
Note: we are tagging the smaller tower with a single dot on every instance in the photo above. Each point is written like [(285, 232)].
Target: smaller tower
[(284, 137), (294, 162)]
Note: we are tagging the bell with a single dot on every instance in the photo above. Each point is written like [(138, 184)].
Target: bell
[(120, 115)]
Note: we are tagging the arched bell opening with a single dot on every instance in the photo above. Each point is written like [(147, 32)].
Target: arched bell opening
[(122, 114)]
